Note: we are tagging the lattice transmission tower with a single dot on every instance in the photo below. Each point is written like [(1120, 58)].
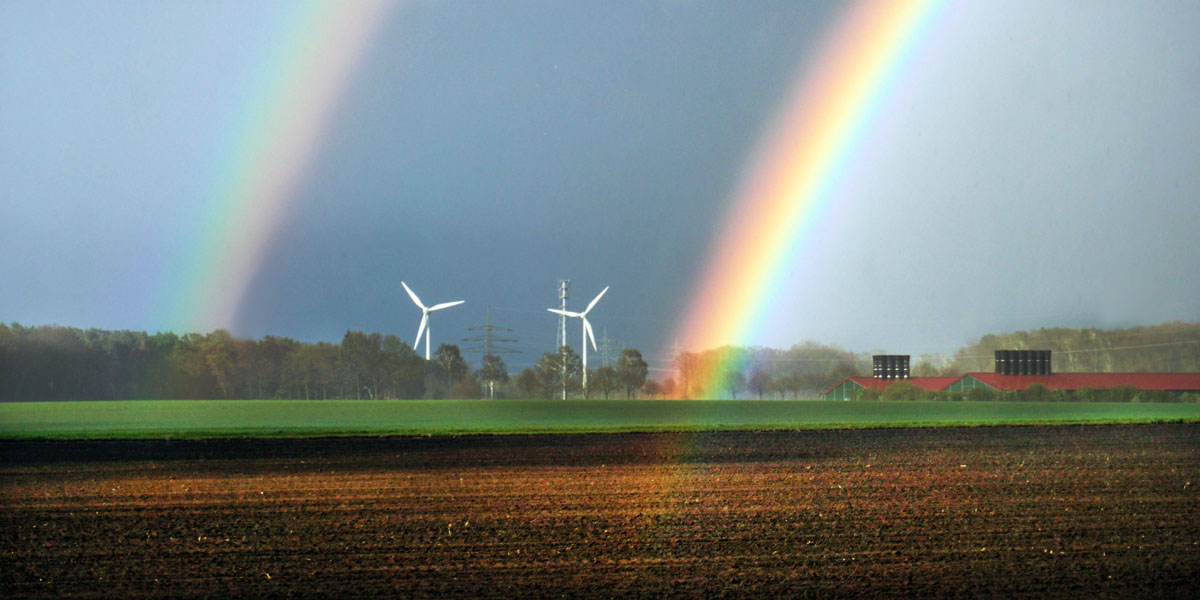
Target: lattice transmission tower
[(490, 341), (564, 290)]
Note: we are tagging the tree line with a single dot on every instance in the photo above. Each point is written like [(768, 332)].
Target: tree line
[(805, 370), (802, 371), (66, 363), (555, 372)]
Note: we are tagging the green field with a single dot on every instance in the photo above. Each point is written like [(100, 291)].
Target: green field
[(300, 418)]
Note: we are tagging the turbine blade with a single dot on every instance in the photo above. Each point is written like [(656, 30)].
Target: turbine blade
[(414, 297), (420, 331), (446, 305), (587, 326), (595, 300), (565, 313)]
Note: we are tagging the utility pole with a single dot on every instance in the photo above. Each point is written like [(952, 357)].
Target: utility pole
[(564, 287), (607, 348), (492, 344)]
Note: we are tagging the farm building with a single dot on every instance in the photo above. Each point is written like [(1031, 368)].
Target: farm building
[(1169, 382), (1015, 370), (849, 387), (886, 369)]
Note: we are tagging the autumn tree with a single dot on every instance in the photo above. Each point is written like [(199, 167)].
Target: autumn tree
[(930, 365), (667, 387), (732, 380), (309, 368), (651, 388), (631, 370), (403, 369), (604, 380), (449, 365), (556, 371), (355, 357), (527, 382), (790, 382), (759, 383), (466, 388), (493, 370), (687, 364)]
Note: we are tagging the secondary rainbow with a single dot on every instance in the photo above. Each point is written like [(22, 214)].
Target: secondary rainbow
[(803, 158), (279, 132)]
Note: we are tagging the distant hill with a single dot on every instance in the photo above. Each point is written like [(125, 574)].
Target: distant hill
[(1167, 348)]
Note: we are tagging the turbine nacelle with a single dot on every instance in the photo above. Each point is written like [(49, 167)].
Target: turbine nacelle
[(587, 327), (423, 329), (588, 334)]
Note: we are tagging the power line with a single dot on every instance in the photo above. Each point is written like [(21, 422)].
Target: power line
[(608, 348), (490, 343), (1128, 347), (1108, 349)]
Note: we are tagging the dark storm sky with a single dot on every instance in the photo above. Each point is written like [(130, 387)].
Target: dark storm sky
[(1036, 166)]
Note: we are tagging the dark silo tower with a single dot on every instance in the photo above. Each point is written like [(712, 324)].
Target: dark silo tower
[(889, 366), (1023, 362)]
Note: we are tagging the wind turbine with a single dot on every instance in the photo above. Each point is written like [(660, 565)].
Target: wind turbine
[(587, 328), (424, 328)]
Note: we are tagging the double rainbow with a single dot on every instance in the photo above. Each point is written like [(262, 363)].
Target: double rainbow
[(280, 132), (804, 157)]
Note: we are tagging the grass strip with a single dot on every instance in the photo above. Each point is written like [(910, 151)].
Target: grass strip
[(204, 419)]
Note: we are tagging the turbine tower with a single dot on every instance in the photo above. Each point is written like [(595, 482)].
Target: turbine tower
[(425, 327), (564, 289), (587, 329)]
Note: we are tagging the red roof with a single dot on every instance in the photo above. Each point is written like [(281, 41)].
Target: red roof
[(932, 384), (1176, 382)]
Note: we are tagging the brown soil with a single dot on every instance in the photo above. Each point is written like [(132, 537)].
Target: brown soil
[(1104, 511)]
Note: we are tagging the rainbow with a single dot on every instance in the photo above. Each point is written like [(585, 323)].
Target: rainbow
[(279, 133), (804, 157)]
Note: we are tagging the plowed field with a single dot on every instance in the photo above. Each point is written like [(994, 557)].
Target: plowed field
[(1096, 511)]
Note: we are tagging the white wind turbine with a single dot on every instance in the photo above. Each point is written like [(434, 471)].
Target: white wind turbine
[(424, 328), (587, 328)]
